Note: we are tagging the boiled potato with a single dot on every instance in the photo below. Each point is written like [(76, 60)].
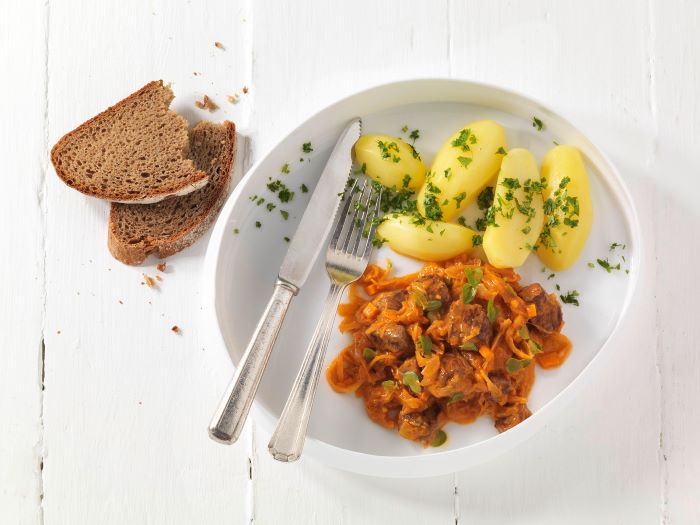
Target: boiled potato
[(430, 241), (465, 164), (390, 161), (517, 215), (568, 206)]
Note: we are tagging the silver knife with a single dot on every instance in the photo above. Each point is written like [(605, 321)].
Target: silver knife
[(309, 239)]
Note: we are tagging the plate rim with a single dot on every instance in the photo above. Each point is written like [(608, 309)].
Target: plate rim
[(446, 461)]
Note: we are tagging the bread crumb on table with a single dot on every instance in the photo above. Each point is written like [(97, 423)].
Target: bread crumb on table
[(219, 45), (233, 99), (149, 281), (160, 267), (206, 103), (176, 329), (245, 90)]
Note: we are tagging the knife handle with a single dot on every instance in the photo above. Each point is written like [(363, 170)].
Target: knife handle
[(228, 421)]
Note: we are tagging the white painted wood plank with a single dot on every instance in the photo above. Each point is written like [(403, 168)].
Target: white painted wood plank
[(308, 54), (597, 461), (675, 165), (127, 401), (22, 135)]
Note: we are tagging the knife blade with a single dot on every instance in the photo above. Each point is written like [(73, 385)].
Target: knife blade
[(317, 220), (309, 239)]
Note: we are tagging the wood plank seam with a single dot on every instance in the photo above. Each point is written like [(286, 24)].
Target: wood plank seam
[(651, 159), (43, 205)]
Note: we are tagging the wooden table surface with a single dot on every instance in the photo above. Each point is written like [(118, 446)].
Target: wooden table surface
[(104, 410)]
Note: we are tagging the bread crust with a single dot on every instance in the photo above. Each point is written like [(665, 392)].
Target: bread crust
[(199, 179), (134, 254)]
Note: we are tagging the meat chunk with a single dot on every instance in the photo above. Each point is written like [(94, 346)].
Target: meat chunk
[(548, 318), (435, 288), (392, 337), (456, 374), (418, 426), (512, 417), (500, 388), (390, 300), (468, 323)]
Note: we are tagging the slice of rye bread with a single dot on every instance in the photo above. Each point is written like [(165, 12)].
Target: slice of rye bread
[(166, 227), (135, 151)]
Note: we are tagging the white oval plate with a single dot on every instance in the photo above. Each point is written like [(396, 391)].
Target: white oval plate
[(240, 270)]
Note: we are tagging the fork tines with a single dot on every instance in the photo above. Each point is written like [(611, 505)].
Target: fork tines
[(355, 222)]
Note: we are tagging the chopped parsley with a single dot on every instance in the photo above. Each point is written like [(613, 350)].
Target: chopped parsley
[(414, 136), (404, 129), (462, 221), (306, 147), (501, 151), (591, 265), (278, 187), (430, 202), (477, 240), (439, 439), (389, 150), (285, 214), (468, 293), (570, 297), (304, 188), (605, 264), (286, 239), (368, 354), (514, 365), (491, 311), (560, 208), (459, 198), (464, 161), (474, 276), (485, 198), (412, 381), (406, 181), (427, 345), (616, 245), (285, 195), (464, 140), (433, 305), (236, 231), (468, 347), (270, 206), (537, 124), (258, 224), (457, 396), (285, 168)]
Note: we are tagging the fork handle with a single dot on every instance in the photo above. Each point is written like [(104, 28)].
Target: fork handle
[(228, 421), (288, 440)]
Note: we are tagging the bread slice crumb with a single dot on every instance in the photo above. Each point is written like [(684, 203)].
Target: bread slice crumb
[(219, 45), (176, 329), (206, 103), (149, 281), (160, 267), (233, 99), (245, 90)]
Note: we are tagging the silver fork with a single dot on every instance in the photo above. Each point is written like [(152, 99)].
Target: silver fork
[(347, 257)]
